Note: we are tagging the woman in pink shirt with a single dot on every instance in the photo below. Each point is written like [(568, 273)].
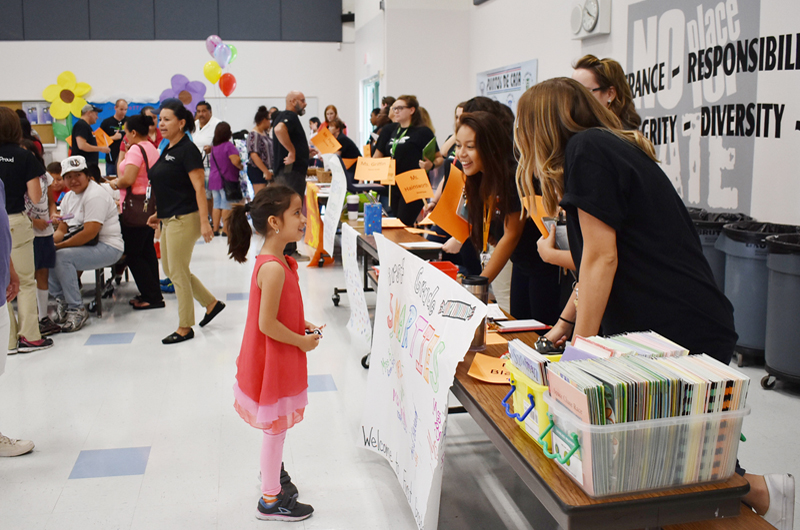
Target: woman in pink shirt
[(140, 254), (225, 164)]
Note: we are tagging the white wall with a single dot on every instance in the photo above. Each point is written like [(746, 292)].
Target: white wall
[(427, 56), (140, 71), (369, 60)]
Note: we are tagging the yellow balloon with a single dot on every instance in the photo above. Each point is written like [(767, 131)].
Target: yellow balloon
[(212, 71)]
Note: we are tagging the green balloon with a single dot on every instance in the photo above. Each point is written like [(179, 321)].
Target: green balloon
[(234, 53)]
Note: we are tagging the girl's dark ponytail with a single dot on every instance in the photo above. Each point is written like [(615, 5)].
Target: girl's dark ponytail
[(239, 233)]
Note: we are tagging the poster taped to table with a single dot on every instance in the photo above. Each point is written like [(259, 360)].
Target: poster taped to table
[(424, 323), (359, 324), (336, 197)]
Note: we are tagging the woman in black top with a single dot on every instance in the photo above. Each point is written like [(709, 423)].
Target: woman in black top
[(178, 181), (20, 172), (640, 263), (407, 141), (485, 153)]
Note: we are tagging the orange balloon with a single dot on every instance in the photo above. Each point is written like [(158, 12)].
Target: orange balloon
[(227, 83)]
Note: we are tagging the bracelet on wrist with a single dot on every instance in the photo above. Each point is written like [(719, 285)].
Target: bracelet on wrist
[(567, 321)]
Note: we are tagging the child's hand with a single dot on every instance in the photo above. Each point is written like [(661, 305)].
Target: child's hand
[(39, 224), (309, 342)]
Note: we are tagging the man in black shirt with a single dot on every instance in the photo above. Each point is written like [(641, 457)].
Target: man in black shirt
[(290, 149), (83, 141), (114, 127)]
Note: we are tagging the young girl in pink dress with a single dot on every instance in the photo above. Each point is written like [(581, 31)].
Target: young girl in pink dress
[(271, 380)]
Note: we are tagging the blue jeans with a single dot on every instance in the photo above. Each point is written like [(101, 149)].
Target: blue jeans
[(63, 281)]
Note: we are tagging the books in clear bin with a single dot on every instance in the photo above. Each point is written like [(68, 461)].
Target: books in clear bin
[(607, 391), (643, 343)]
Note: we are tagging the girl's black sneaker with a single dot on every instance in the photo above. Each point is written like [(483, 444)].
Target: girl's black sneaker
[(285, 509)]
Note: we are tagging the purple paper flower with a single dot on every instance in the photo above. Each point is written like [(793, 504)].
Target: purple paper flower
[(189, 92)]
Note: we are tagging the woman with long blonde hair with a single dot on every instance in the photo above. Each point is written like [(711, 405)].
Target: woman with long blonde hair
[(639, 259)]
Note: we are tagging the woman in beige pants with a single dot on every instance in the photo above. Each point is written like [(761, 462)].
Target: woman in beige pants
[(178, 183)]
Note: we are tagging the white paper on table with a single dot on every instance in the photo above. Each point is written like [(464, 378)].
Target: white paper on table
[(359, 324), (336, 197), (424, 323), (421, 245), (495, 313), (521, 324)]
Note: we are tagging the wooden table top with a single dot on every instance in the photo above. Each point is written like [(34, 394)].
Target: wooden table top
[(568, 497)]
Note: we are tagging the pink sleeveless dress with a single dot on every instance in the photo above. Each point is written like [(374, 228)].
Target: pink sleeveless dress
[(272, 378)]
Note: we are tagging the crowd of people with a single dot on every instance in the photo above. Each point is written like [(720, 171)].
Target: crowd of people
[(574, 142)]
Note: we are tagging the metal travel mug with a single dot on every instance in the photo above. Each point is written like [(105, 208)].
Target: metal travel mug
[(479, 287)]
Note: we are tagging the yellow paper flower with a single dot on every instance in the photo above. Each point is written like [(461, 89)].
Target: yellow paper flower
[(66, 96)]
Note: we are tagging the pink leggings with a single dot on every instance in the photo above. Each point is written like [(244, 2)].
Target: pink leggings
[(271, 458)]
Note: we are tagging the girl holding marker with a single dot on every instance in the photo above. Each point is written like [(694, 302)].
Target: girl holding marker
[(271, 380)]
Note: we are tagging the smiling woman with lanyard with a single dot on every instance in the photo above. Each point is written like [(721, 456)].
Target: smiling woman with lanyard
[(405, 143), (178, 181)]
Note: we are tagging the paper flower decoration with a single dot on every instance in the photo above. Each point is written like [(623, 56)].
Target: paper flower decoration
[(189, 92), (66, 96)]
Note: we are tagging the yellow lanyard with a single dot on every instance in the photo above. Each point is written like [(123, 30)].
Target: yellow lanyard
[(487, 221)]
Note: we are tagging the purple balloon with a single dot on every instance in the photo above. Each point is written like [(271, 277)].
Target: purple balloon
[(211, 44), (223, 55)]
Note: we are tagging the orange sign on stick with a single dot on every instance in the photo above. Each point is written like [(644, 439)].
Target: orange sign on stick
[(325, 142), (445, 214), (390, 178), (414, 185), (372, 169)]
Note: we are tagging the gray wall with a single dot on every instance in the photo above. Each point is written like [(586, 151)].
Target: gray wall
[(262, 20)]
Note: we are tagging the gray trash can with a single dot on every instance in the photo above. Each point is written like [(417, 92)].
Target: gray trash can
[(782, 345), (709, 227), (745, 247)]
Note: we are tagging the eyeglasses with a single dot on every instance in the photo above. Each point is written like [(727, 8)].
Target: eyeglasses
[(399, 108)]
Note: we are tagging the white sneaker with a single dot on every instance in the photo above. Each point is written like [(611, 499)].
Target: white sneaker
[(75, 320), (59, 311), (781, 501), (11, 447)]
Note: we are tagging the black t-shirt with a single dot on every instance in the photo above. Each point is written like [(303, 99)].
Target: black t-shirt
[(349, 148), (169, 177), (409, 145), (297, 134), (17, 167), (81, 129), (663, 282), (384, 136), (112, 126)]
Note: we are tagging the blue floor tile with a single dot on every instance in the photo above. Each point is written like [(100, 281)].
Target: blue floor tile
[(111, 463), (321, 383), (232, 297), (99, 339)]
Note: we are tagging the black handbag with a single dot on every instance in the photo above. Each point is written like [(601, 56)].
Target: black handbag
[(233, 192), (137, 209)]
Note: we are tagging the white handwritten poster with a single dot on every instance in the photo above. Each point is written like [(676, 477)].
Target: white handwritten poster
[(424, 323), (359, 324), (333, 210)]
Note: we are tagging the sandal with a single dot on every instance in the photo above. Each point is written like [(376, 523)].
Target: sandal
[(135, 300), (546, 347), (149, 305)]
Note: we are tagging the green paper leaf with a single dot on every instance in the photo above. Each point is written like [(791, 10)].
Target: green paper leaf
[(60, 131)]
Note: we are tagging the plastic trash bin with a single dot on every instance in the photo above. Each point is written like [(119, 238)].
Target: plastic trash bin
[(745, 247), (782, 345), (709, 226)]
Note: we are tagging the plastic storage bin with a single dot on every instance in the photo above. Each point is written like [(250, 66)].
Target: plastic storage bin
[(447, 267), (529, 409), (640, 456), (781, 355), (709, 227)]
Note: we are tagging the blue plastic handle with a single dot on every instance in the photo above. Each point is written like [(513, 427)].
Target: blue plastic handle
[(508, 406), (554, 456)]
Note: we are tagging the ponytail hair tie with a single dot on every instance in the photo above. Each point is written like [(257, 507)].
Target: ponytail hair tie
[(247, 208)]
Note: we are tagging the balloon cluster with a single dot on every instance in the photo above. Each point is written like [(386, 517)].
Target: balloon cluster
[(223, 54)]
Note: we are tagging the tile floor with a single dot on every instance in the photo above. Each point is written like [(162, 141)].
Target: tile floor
[(131, 434)]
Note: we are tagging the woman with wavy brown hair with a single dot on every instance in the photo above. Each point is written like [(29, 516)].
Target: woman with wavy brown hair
[(605, 79), (638, 256)]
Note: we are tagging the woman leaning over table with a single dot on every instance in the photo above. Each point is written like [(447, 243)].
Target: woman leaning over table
[(140, 254), (638, 256), (178, 182)]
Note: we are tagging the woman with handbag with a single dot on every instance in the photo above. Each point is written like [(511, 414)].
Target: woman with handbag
[(138, 204), (178, 181), (90, 239), (223, 179)]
